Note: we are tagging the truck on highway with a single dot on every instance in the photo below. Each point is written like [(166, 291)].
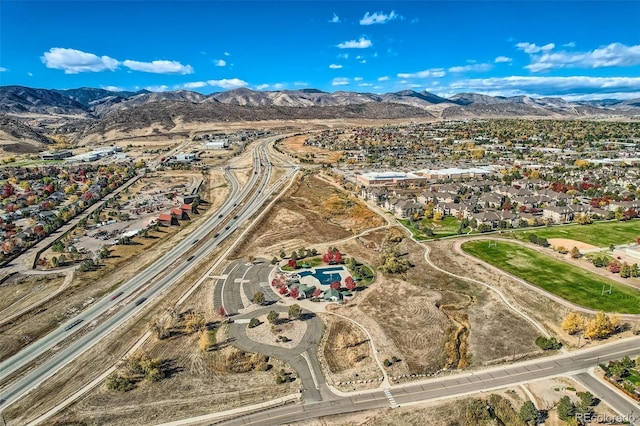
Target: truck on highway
[(73, 324)]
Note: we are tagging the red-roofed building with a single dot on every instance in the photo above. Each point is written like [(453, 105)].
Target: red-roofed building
[(179, 214), (167, 219)]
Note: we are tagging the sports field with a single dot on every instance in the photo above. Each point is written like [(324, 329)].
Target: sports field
[(599, 234), (562, 279)]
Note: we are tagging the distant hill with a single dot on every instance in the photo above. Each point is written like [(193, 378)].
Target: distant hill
[(86, 111)]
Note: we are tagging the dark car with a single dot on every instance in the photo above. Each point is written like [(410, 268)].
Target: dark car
[(190, 258), (115, 296), (140, 301)]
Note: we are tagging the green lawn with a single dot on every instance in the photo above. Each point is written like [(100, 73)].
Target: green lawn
[(599, 234), (567, 281), (444, 228), (634, 377)]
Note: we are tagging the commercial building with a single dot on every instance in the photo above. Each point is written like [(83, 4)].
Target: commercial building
[(217, 144)]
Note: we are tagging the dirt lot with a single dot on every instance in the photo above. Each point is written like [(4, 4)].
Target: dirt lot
[(569, 244), (264, 333), (295, 145), (347, 356), (312, 213), (21, 291)]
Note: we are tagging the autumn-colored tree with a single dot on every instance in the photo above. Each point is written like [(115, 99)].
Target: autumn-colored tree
[(283, 289), (273, 317), (437, 216), (194, 322), (602, 326), (337, 257), (258, 298), (327, 257), (350, 283), (293, 264), (317, 292), (335, 285), (294, 293), (614, 267), (573, 323), (295, 311), (222, 311), (575, 253), (625, 270)]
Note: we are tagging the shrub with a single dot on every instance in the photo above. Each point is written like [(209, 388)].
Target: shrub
[(547, 344), (254, 322)]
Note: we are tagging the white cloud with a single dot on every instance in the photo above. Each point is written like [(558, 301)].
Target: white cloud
[(221, 63), (365, 85), (361, 43), (532, 48), (588, 87), (30, 74), (262, 86), (612, 55), (570, 44), (194, 85), (227, 54), (161, 88), (340, 81), (232, 83), (3, 69), (335, 66), (159, 67), (74, 61), (363, 61), (300, 83), (279, 86), (414, 85), (335, 19), (383, 78), (503, 59), (471, 67), (357, 79), (378, 18), (113, 88), (433, 72)]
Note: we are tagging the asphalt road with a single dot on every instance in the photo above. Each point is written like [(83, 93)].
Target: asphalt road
[(173, 265), (611, 397), (446, 387), (241, 277)]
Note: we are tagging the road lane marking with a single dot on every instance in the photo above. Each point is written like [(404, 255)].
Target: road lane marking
[(391, 399)]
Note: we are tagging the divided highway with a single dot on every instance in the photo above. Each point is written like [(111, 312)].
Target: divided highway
[(145, 286)]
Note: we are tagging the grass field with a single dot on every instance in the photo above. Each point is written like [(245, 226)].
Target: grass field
[(599, 234), (562, 279), (444, 228)]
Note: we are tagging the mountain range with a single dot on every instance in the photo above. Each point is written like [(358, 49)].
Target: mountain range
[(85, 111)]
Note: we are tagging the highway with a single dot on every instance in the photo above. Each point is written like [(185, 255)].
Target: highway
[(145, 286), (446, 387)]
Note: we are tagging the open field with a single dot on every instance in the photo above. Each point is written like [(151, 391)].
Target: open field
[(313, 212), (567, 281), (599, 234), (20, 291), (347, 356), (295, 145), (446, 227)]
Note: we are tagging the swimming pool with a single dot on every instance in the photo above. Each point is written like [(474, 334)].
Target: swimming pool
[(325, 275)]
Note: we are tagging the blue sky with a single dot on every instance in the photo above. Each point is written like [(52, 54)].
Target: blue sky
[(576, 49)]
